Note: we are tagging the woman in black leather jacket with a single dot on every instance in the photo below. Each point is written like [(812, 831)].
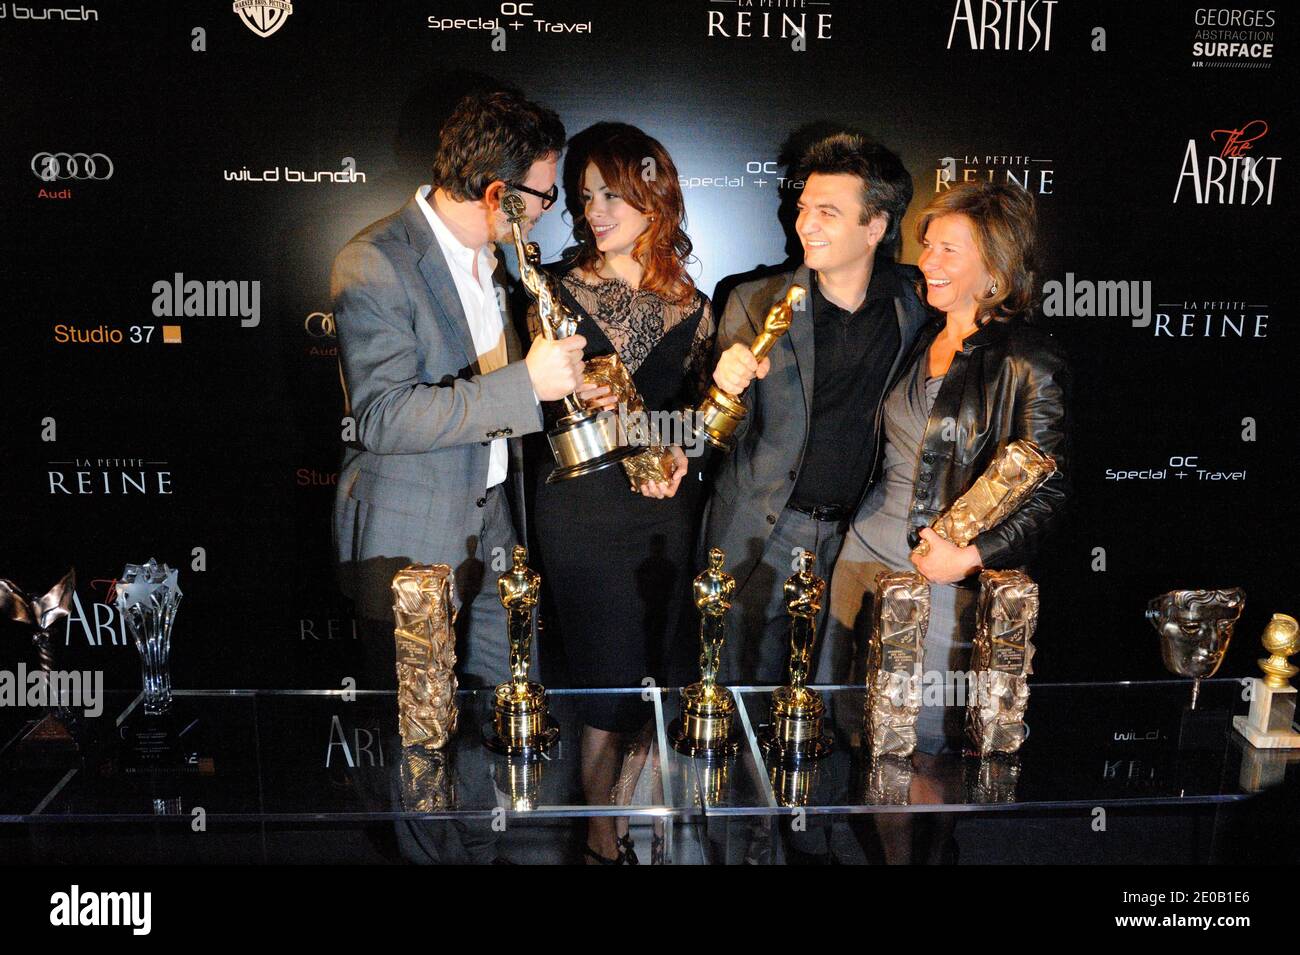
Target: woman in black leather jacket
[(976, 378)]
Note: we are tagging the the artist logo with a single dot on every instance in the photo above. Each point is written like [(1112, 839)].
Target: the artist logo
[(794, 21), (1024, 25), (55, 167), (263, 17), (1234, 170)]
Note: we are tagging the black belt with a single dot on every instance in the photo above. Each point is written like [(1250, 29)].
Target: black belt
[(824, 512)]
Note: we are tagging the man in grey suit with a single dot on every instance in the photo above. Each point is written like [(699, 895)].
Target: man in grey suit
[(438, 388), (807, 448)]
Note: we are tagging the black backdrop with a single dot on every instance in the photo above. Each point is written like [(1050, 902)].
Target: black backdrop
[(242, 424)]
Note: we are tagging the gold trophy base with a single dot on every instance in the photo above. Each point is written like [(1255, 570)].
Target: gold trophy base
[(719, 415), (520, 724), (795, 732), (1271, 722), (585, 441), (705, 728)]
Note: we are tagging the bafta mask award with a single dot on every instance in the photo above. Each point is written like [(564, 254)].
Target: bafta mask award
[(895, 658), (1195, 627), (147, 598), (424, 598), (1271, 722), (796, 729), (719, 414), (1005, 618), (583, 439), (1015, 472), (705, 727), (55, 730), (520, 725)]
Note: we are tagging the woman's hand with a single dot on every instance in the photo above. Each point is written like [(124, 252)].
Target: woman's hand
[(946, 563), (596, 396), (663, 489)]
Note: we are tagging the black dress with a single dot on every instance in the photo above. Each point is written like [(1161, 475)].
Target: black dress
[(616, 565)]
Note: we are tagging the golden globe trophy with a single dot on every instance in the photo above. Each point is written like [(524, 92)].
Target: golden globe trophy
[(1271, 722), (584, 439), (795, 732), (520, 725), (720, 413), (705, 726)]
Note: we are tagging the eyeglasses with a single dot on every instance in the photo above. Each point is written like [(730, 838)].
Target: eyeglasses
[(548, 197)]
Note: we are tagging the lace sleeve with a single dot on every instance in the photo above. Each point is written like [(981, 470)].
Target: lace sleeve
[(699, 366)]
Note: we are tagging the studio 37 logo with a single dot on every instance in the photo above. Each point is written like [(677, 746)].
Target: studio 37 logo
[(1231, 170), (263, 17)]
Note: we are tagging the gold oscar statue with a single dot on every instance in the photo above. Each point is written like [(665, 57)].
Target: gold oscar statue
[(796, 729), (584, 439), (895, 659), (520, 725), (1015, 472), (1271, 722), (1005, 619), (705, 727), (424, 608), (719, 414)]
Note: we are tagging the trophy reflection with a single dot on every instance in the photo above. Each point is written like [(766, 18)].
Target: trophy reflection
[(584, 440), (1195, 627), (520, 725), (705, 727), (796, 728), (1271, 721), (720, 413)]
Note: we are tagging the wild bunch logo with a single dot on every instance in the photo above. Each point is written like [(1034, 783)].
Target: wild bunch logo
[(1233, 170)]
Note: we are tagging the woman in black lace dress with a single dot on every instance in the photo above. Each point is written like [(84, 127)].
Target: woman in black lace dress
[(617, 562)]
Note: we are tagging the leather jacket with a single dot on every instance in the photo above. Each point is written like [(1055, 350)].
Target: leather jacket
[(1009, 381)]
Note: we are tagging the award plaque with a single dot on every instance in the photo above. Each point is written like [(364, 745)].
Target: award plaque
[(895, 659), (1195, 627), (705, 726), (583, 440), (795, 732), (1015, 472), (1271, 722), (424, 599), (720, 413), (1005, 618), (520, 724)]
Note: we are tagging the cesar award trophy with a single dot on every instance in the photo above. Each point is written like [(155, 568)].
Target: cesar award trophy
[(796, 729), (705, 727), (424, 601), (1271, 723), (584, 439), (520, 725), (1005, 620), (895, 658), (719, 414)]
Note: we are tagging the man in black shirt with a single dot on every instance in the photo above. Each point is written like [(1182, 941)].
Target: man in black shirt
[(806, 451)]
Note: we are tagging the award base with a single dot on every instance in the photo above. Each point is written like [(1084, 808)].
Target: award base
[(52, 733), (1271, 722), (162, 742), (583, 442), (719, 415), (706, 724), (520, 724), (795, 732)]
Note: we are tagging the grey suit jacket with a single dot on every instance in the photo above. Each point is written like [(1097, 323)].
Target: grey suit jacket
[(411, 482), (754, 482)]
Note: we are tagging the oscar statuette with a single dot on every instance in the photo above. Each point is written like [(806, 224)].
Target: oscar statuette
[(795, 732), (705, 726), (720, 413), (520, 725), (584, 440)]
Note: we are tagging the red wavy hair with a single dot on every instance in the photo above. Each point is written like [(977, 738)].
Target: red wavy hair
[(638, 168)]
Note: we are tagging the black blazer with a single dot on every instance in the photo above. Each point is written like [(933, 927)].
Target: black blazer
[(1009, 381)]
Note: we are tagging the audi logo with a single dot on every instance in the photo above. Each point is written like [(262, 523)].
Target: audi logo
[(320, 325), (50, 167)]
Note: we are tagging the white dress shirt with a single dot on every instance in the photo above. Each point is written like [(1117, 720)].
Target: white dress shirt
[(478, 297)]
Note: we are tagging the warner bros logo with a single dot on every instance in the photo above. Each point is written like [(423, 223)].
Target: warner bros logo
[(263, 17)]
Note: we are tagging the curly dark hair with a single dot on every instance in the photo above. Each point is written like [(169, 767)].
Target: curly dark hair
[(491, 136), (886, 183)]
